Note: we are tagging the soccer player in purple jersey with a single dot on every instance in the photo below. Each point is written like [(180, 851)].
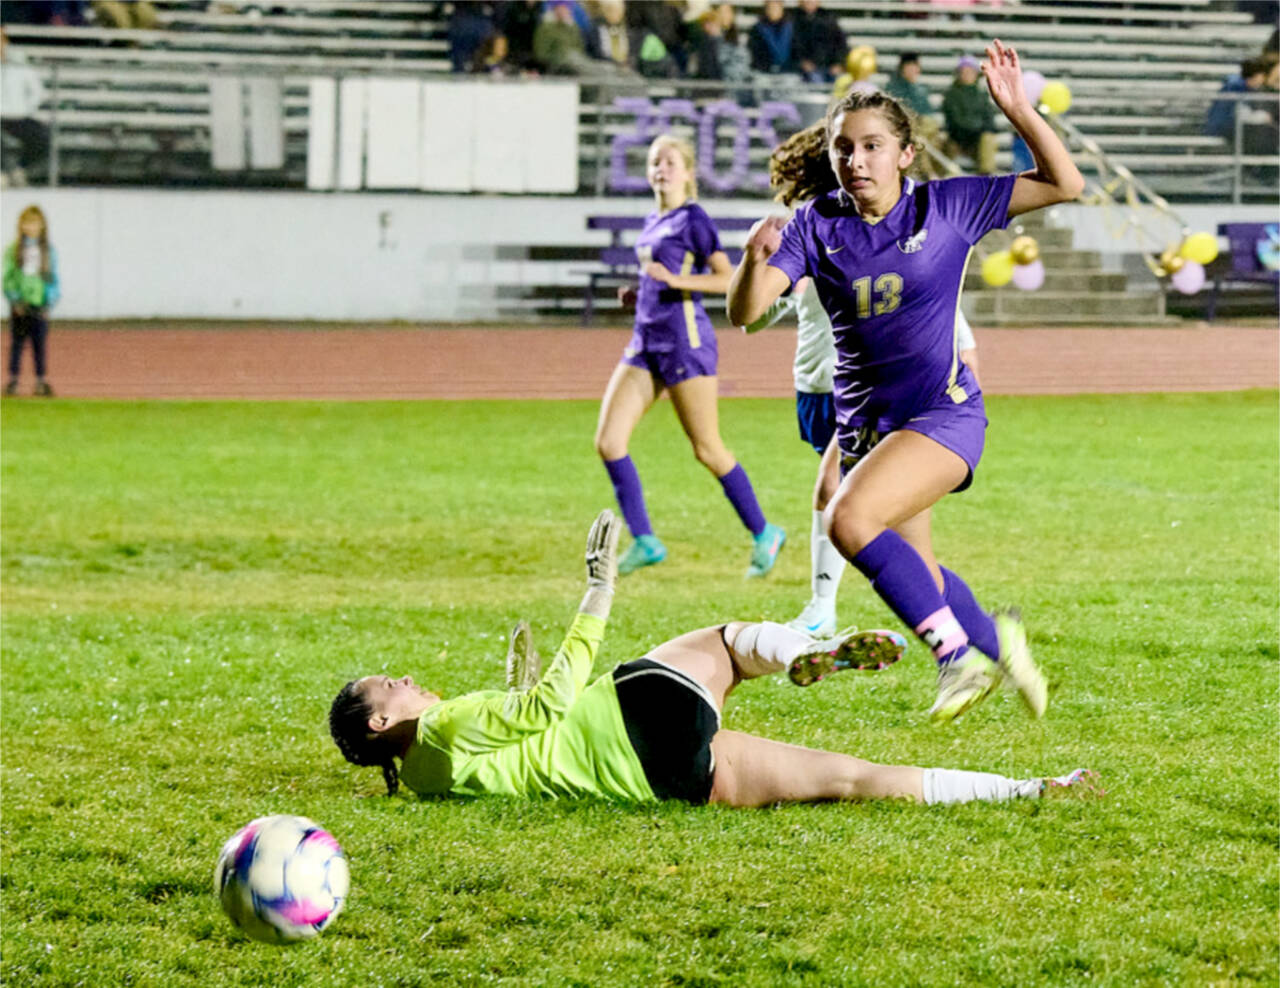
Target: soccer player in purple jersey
[(674, 348), (888, 257)]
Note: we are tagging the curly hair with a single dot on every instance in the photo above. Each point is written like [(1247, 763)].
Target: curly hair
[(800, 167), (349, 725)]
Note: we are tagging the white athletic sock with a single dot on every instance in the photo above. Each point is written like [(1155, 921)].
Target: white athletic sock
[(826, 563), (949, 785), (766, 648)]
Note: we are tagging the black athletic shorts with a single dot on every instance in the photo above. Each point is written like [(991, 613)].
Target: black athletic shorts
[(671, 719)]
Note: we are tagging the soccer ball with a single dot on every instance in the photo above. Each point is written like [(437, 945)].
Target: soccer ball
[(281, 879)]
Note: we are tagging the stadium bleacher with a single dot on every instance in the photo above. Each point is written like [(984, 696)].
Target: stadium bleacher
[(1142, 75)]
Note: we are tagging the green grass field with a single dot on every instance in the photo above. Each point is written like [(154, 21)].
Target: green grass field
[(186, 585)]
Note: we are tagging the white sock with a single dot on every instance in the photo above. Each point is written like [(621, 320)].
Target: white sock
[(949, 785), (766, 648), (826, 563)]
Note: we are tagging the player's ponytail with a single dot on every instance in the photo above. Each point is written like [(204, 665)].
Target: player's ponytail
[(799, 167), (349, 725)]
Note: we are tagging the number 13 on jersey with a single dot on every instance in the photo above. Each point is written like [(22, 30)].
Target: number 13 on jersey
[(888, 294)]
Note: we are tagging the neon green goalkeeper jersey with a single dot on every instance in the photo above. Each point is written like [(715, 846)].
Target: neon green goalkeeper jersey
[(561, 738)]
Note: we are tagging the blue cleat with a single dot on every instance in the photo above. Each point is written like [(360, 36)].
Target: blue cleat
[(646, 550), (764, 553)]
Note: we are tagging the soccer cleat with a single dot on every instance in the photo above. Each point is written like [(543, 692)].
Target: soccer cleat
[(764, 552), (43, 389), (851, 649), (524, 665), (11, 387), (817, 620), (646, 550), (1015, 662), (962, 683), (1083, 783)]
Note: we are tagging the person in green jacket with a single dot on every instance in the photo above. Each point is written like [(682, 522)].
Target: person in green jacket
[(970, 118), (31, 287), (648, 730)]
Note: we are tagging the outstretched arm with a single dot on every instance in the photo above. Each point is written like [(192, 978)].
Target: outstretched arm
[(1056, 177), (756, 283), (716, 282)]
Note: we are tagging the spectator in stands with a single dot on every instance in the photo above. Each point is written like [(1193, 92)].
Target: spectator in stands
[(1221, 121), (470, 27), (558, 45), (772, 40), (819, 45), (31, 287), (970, 118), (664, 21), (116, 13), (715, 51), (907, 89), (20, 94), (614, 37), (518, 20), (493, 57), (56, 12)]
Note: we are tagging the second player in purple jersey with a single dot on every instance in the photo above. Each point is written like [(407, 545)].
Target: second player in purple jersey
[(673, 349), (888, 257)]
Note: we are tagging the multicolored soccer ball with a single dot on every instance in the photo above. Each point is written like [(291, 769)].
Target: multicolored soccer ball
[(281, 879)]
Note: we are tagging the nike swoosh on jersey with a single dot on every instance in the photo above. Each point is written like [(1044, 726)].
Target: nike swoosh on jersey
[(833, 250)]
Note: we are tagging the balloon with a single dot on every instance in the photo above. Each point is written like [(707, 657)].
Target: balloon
[(1056, 97), (1170, 261), (1199, 247), (997, 268), (861, 62), (1029, 277), (1033, 85), (1189, 278), (1024, 250)]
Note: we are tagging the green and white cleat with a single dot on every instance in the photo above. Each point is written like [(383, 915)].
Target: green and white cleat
[(817, 620), (1083, 783), (646, 550), (1015, 662), (851, 649), (765, 549), (524, 665), (962, 684)]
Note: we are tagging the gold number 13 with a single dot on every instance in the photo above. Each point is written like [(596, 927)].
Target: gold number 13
[(888, 288)]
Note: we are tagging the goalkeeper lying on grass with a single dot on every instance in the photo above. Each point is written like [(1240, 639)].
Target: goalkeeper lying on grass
[(650, 729)]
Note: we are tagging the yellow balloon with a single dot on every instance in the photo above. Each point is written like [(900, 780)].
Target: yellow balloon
[(997, 268), (1025, 250), (1056, 96), (861, 62), (1199, 247)]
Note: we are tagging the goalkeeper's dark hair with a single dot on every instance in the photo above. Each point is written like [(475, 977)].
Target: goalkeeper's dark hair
[(800, 168), (349, 724)]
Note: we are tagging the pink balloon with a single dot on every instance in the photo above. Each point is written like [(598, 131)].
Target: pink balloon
[(1029, 277), (1033, 82), (1189, 278)]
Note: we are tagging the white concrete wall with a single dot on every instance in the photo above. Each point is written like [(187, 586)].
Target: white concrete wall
[(336, 256)]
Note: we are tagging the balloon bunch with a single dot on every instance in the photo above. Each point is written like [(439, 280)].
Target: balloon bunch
[(860, 66), (1020, 264), (1052, 96), (1184, 263)]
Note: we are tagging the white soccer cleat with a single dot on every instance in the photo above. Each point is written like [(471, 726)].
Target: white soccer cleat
[(817, 620), (851, 649), (1015, 662), (963, 683)]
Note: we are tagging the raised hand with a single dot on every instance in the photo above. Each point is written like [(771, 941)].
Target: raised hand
[(602, 551), (1004, 78)]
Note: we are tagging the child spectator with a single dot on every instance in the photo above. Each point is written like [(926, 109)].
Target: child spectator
[(31, 287), (493, 57), (970, 118), (819, 45)]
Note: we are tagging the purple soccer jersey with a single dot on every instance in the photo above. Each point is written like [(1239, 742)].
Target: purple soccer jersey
[(891, 290), (682, 240)]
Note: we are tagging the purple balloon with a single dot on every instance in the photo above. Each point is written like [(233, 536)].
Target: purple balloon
[(1033, 83), (1029, 277), (1189, 278)]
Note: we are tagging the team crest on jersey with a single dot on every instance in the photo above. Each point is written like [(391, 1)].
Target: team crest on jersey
[(913, 243)]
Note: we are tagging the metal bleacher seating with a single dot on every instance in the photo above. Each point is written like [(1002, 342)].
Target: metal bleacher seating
[(135, 105)]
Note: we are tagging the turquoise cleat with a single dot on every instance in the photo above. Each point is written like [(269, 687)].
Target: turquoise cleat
[(764, 553), (646, 550)]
